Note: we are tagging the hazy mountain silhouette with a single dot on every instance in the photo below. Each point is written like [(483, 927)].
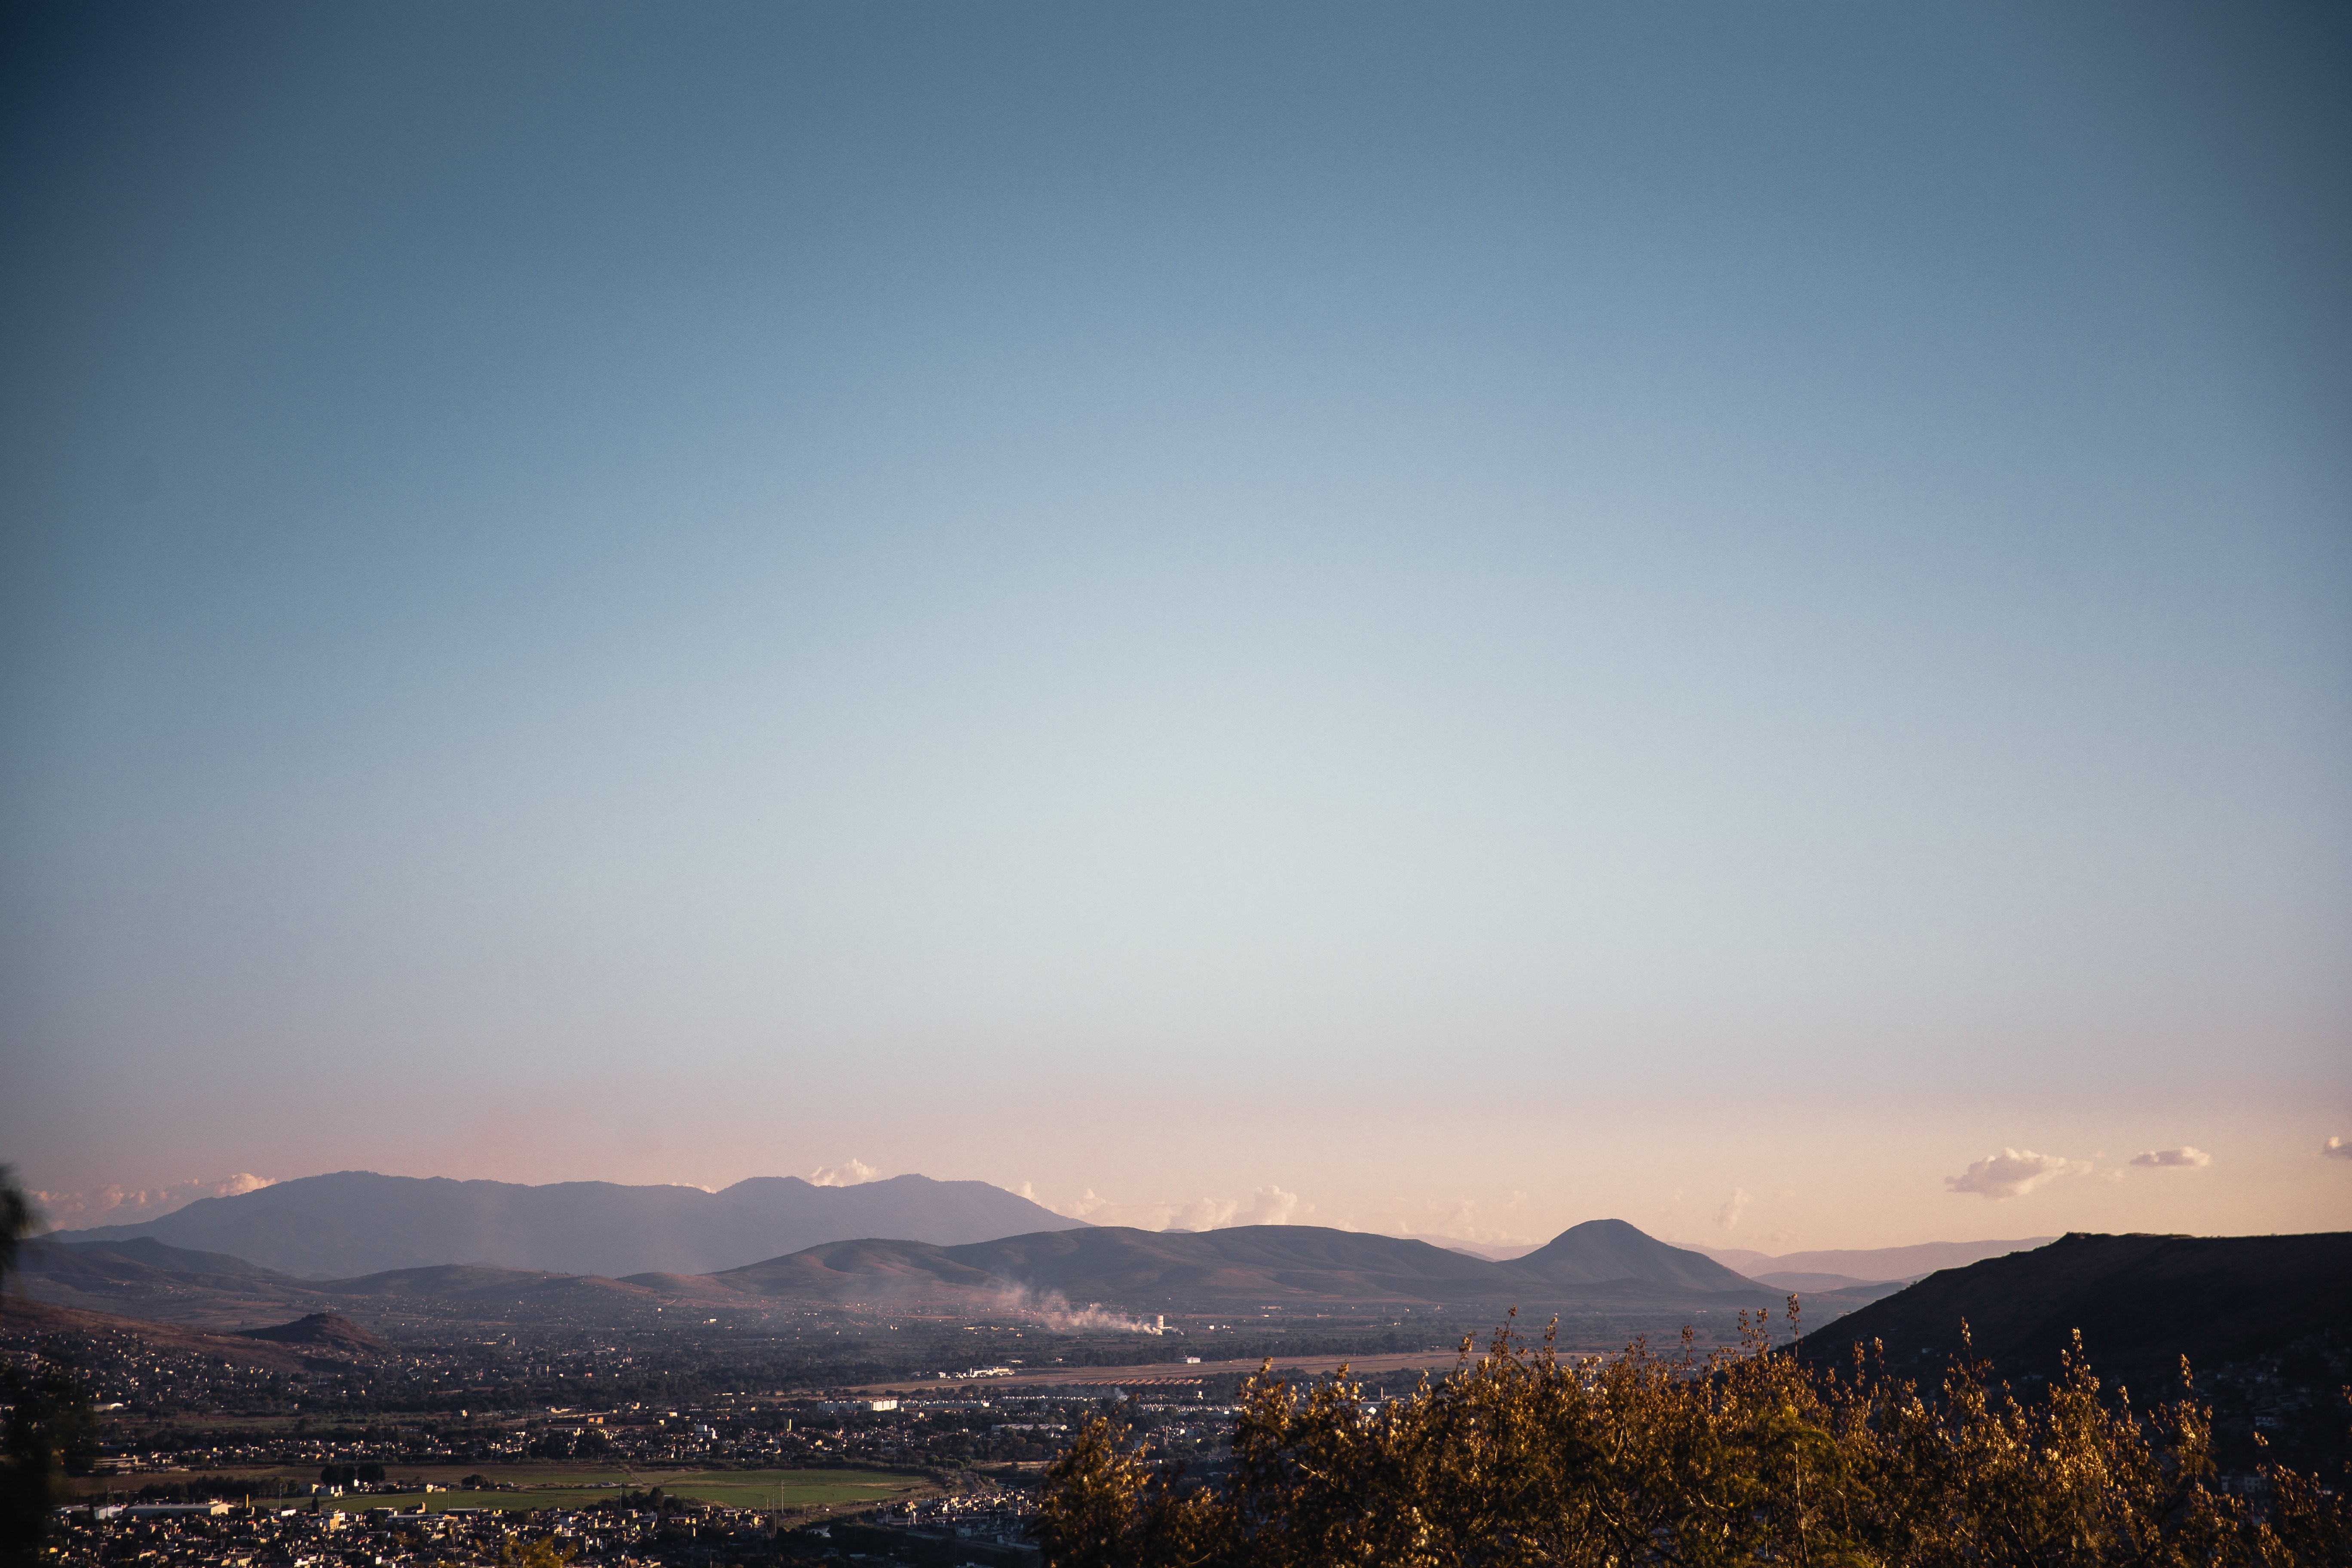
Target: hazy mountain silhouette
[(133, 1258), (1816, 1284), (2142, 1302), (1604, 1259), (1871, 1264), (356, 1222)]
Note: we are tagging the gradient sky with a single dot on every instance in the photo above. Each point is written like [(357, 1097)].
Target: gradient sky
[(1451, 619)]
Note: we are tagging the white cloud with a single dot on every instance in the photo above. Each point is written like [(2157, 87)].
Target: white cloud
[(1084, 1208), (127, 1205), (2335, 1149), (1727, 1217), (2013, 1173), (854, 1173), (2172, 1159), (1269, 1206)]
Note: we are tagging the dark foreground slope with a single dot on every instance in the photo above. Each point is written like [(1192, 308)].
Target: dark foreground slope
[(356, 1222), (1603, 1261), (2142, 1302)]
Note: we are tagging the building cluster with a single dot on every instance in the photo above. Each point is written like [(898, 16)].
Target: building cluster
[(987, 1529), (221, 1535)]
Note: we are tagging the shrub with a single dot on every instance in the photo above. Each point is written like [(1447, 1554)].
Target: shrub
[(1522, 1457)]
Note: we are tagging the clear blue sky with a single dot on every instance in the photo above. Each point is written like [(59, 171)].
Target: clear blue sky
[(1386, 607)]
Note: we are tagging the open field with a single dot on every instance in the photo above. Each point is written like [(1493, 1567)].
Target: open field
[(565, 1486), (1174, 1373)]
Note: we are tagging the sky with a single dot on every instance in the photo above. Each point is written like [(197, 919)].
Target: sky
[(1440, 619)]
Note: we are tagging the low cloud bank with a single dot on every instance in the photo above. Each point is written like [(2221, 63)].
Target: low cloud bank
[(854, 1173), (113, 1205)]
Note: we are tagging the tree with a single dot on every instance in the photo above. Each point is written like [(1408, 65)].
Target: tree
[(51, 1433), (540, 1553), (50, 1428), (18, 1220)]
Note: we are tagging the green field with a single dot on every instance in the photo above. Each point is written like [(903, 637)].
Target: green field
[(729, 1489)]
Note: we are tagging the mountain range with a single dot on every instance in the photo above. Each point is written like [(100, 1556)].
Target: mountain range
[(1600, 1264), (357, 1222), (1603, 1261)]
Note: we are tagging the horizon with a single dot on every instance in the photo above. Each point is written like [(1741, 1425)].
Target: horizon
[(1416, 621)]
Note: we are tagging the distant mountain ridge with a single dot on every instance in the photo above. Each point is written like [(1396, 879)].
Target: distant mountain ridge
[(1871, 1263), (1607, 1260), (356, 1222), (1601, 1251), (61, 1254), (1602, 1264)]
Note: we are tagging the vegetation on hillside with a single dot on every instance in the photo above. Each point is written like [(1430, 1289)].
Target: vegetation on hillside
[(1523, 1456)]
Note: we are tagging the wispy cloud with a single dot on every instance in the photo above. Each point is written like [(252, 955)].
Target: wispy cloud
[(856, 1172), (128, 1205), (2179, 1159), (2013, 1173), (1267, 1205), (1727, 1217), (1438, 1220), (2335, 1149)]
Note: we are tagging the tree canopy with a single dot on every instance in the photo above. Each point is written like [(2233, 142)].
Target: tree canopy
[(1524, 1457)]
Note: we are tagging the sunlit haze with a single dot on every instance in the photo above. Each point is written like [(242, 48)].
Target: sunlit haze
[(1439, 620)]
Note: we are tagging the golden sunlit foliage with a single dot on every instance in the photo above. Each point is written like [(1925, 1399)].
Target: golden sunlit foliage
[(541, 1553), (1523, 1456)]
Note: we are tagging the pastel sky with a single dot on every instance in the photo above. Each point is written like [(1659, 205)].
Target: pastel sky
[(1446, 619)]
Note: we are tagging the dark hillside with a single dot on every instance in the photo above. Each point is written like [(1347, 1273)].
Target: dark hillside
[(25, 1325), (325, 1330), (1608, 1262), (150, 1253), (2142, 1302)]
